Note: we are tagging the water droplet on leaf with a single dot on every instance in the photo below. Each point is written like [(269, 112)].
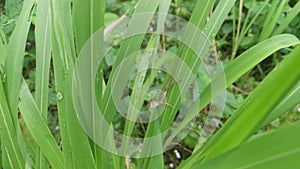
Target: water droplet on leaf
[(59, 96)]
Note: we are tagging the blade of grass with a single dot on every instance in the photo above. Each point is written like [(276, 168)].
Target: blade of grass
[(210, 30), (88, 17), (238, 67), (239, 128), (272, 19), (270, 150), (41, 134), (12, 72), (154, 127), (247, 26), (2, 48), (63, 48), (198, 18), (288, 19), (14, 61), (291, 99), (10, 147), (43, 56), (129, 46)]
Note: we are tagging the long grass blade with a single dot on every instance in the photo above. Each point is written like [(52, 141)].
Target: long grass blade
[(10, 146), (128, 47), (272, 17), (269, 150), (290, 16), (14, 61), (41, 134), (43, 56), (12, 77), (63, 48), (243, 128), (291, 99)]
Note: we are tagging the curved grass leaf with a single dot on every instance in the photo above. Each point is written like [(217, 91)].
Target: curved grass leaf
[(14, 145), (246, 120), (288, 19), (10, 146), (41, 134), (291, 99), (274, 150), (15, 57), (210, 30), (240, 66), (129, 46)]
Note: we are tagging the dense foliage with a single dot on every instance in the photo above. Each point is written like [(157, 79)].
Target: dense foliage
[(252, 44)]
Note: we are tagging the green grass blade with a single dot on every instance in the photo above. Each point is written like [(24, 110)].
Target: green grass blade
[(291, 99), (210, 30), (290, 16), (270, 150), (57, 38), (63, 48), (138, 94), (43, 56), (240, 66), (198, 18), (215, 22), (88, 17), (273, 16), (129, 46), (10, 146), (201, 12), (239, 128), (247, 60), (14, 61), (268, 19), (41, 134), (13, 71), (2, 49)]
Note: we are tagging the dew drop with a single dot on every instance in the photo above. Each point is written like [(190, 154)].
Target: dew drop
[(57, 128), (59, 96)]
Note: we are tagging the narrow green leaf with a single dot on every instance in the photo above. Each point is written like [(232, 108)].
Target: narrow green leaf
[(10, 146), (63, 49), (291, 99), (248, 60), (41, 134), (256, 107), (273, 15), (43, 56), (12, 77), (273, 149), (88, 17), (15, 57), (210, 30), (2, 49), (290, 16), (129, 46)]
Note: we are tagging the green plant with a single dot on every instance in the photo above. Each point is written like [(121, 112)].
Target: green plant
[(62, 31)]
